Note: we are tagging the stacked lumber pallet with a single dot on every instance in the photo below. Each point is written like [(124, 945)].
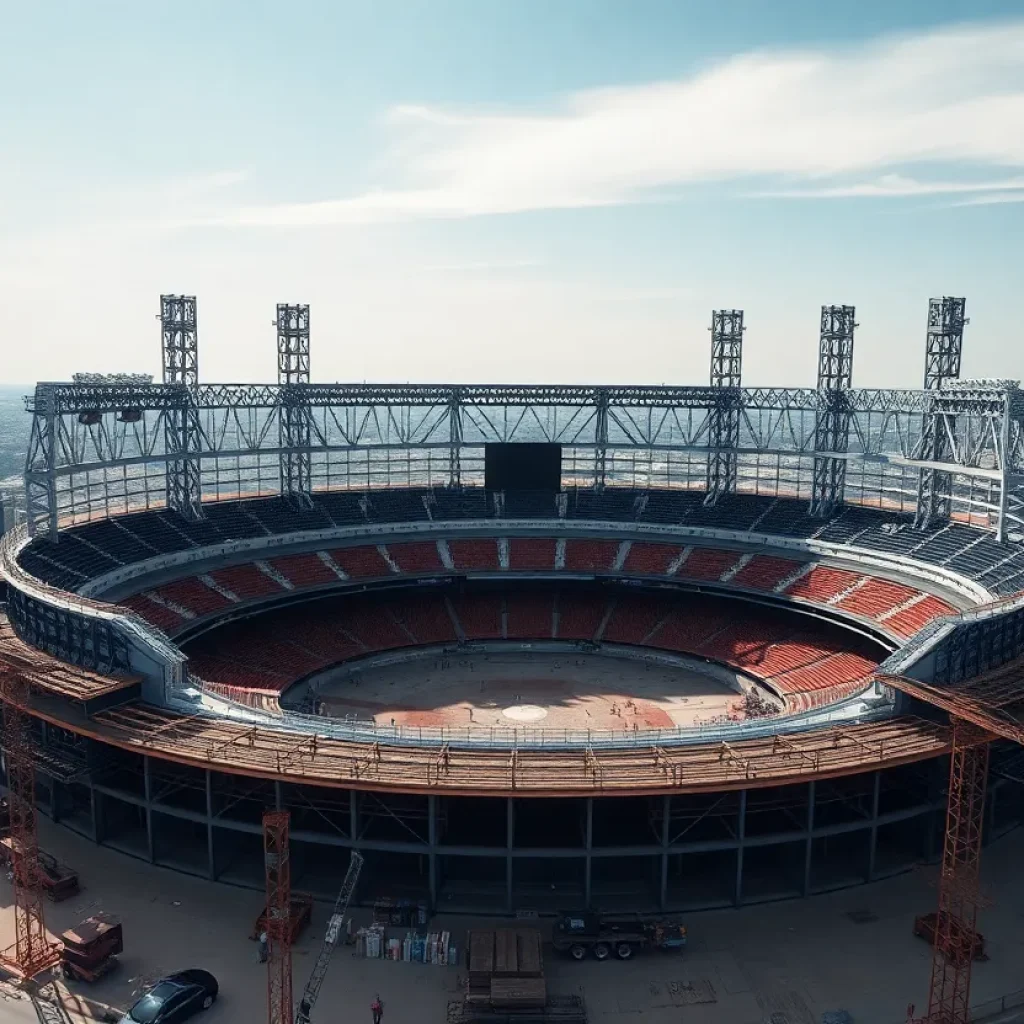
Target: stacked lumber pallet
[(506, 969)]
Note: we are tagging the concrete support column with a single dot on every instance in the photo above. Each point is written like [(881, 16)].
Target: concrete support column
[(936, 815), (809, 847), (278, 795), (588, 846), (510, 835), (96, 813), (740, 836), (873, 848), (147, 780), (666, 809), (211, 860), (432, 851)]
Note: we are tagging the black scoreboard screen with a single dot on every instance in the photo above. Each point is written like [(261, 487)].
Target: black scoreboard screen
[(523, 467)]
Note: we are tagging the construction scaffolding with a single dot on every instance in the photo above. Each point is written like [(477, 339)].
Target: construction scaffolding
[(277, 862), (981, 710), (33, 952)]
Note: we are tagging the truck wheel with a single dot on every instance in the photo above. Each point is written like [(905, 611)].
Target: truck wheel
[(601, 951), (623, 950), (578, 952), (68, 971)]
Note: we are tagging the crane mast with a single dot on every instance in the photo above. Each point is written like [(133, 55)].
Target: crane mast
[(334, 925)]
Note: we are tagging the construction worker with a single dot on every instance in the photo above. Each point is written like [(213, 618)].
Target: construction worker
[(262, 948), (377, 1009)]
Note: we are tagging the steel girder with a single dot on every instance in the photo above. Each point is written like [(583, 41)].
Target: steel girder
[(832, 423), (76, 398), (294, 424), (91, 444), (724, 421)]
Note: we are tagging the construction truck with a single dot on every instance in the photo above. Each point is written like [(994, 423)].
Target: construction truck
[(580, 934)]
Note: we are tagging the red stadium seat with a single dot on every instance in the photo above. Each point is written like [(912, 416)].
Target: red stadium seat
[(416, 556), (590, 555), (525, 553)]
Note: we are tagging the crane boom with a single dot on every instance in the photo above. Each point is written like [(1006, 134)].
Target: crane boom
[(334, 925)]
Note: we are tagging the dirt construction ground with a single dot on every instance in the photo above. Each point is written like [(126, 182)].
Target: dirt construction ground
[(783, 963)]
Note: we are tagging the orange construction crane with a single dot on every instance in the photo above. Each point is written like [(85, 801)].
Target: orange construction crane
[(981, 710), (278, 917), (33, 952)]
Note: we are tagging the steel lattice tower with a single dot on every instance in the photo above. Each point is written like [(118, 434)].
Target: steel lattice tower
[(946, 322), (949, 998), (832, 418), (277, 864), (32, 952), (724, 420), (180, 345), (292, 373)]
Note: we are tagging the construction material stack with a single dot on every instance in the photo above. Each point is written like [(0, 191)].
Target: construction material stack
[(506, 982)]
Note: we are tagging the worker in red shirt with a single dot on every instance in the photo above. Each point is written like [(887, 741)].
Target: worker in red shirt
[(377, 1009)]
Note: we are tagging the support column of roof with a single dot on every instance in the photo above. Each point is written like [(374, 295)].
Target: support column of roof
[(180, 352), (293, 373), (832, 419), (724, 416), (943, 349)]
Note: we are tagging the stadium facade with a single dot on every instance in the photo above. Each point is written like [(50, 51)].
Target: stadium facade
[(198, 558)]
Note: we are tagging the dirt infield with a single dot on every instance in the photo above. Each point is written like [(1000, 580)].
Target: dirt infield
[(553, 690)]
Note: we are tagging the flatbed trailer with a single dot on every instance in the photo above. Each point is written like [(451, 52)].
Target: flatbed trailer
[(623, 936)]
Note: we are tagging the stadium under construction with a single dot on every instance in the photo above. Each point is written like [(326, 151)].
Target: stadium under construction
[(523, 647)]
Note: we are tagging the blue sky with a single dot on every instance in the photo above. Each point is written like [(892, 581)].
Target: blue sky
[(514, 190)]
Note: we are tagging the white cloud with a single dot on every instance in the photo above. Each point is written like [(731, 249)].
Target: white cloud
[(993, 198), (896, 186), (942, 99)]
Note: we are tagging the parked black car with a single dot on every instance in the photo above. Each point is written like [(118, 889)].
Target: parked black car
[(174, 998)]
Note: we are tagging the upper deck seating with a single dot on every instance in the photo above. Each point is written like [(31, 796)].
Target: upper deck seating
[(708, 564), (823, 583), (194, 596), (650, 559), (360, 561), (307, 570), (474, 553), (416, 556), (764, 572), (530, 553), (246, 581), (590, 555)]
